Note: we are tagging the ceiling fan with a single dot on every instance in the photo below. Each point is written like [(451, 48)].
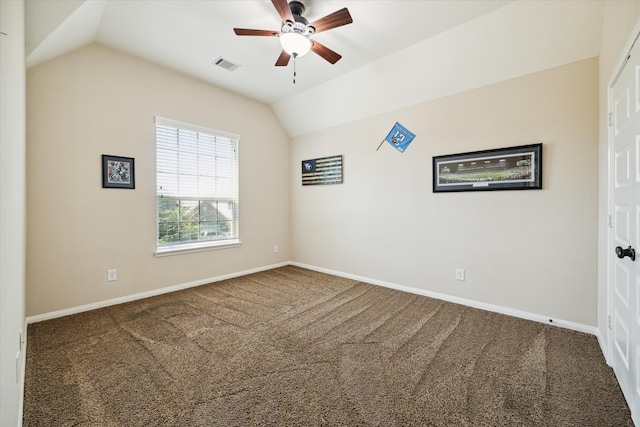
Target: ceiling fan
[(296, 31)]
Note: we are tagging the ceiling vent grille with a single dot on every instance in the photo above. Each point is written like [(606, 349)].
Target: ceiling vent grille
[(225, 63)]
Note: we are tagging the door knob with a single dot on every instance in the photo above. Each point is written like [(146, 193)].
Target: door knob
[(630, 252)]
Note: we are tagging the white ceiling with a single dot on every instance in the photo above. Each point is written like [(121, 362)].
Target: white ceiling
[(395, 53)]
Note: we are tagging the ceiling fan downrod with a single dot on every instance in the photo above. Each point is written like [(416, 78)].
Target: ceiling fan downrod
[(297, 8)]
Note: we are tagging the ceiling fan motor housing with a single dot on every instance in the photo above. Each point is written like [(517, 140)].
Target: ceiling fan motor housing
[(301, 24)]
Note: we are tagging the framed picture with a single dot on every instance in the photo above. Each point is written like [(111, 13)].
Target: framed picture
[(512, 168), (325, 170), (117, 172)]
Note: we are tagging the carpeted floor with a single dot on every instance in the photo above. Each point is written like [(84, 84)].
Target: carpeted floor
[(295, 347)]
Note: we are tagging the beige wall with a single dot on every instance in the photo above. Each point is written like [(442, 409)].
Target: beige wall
[(98, 101), (533, 251), (621, 24), (383, 223)]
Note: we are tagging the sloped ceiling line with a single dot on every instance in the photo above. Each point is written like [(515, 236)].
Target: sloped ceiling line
[(395, 54)]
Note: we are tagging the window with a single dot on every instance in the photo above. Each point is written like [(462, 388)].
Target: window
[(197, 187)]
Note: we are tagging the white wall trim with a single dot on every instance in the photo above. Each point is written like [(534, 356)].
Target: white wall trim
[(457, 300), (592, 330), (603, 345), (23, 370), (155, 292)]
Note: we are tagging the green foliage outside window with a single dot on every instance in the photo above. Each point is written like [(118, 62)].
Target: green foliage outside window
[(188, 220)]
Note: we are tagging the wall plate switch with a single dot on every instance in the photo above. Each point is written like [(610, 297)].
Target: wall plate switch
[(459, 273), (275, 249), (112, 275)]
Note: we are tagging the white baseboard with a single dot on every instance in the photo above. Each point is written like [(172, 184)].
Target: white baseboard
[(457, 300), (155, 292)]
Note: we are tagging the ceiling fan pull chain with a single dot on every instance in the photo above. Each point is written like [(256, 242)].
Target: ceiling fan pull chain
[(294, 67)]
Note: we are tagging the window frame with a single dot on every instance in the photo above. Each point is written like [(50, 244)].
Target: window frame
[(205, 245)]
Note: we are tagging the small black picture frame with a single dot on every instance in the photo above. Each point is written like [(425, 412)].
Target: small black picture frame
[(511, 168), (118, 172)]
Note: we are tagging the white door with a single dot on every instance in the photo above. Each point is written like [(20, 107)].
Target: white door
[(625, 289)]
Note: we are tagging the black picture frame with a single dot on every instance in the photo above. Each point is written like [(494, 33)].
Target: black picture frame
[(118, 172), (510, 168)]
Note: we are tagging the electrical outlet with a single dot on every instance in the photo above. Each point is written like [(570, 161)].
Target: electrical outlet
[(459, 273), (112, 275), (275, 249)]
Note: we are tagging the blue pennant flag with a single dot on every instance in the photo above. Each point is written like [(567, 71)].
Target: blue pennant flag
[(400, 137)]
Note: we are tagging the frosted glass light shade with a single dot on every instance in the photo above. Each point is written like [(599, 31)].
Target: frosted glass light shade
[(295, 43)]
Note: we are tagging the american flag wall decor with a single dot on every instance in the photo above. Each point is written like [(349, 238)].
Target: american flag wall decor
[(325, 170)]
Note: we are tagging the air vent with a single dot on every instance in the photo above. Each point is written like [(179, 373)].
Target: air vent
[(224, 63)]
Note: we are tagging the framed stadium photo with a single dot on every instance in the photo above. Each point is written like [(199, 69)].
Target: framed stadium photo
[(511, 168)]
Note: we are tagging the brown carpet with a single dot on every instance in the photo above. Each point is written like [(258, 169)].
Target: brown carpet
[(295, 347)]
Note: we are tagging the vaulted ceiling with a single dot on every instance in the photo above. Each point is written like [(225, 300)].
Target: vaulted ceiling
[(394, 54)]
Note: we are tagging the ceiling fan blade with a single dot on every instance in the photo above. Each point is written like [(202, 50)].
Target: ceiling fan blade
[(283, 59), (282, 6), (248, 32), (325, 52), (336, 19)]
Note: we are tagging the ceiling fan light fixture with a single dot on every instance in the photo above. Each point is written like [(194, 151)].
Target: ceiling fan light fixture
[(295, 32), (295, 44)]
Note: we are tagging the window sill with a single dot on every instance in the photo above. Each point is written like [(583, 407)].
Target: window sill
[(195, 247)]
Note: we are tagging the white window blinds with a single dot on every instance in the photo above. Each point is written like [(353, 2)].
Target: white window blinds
[(197, 185)]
